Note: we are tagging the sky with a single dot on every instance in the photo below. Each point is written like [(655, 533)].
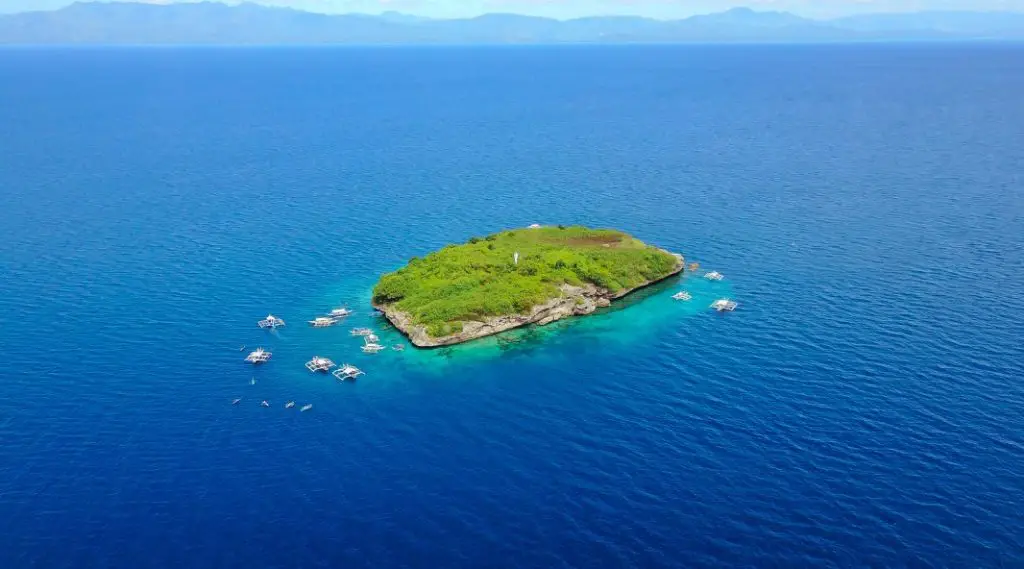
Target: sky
[(576, 8)]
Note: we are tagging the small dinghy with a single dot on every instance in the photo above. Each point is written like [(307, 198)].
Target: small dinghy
[(265, 403), (306, 408), (236, 401), (289, 405)]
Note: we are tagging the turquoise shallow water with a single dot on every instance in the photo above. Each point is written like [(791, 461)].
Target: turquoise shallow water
[(861, 408)]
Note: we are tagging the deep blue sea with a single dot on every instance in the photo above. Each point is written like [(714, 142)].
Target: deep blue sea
[(864, 406)]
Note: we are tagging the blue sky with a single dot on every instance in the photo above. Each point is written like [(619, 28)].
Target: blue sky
[(575, 8)]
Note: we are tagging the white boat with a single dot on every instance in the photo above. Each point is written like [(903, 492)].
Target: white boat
[(265, 403), (271, 322), (372, 338), (372, 347), (361, 331), (322, 322), (306, 408), (236, 401), (260, 356), (318, 364), (714, 276), (348, 371), (682, 295), (724, 305), (340, 312), (398, 348), (289, 405)]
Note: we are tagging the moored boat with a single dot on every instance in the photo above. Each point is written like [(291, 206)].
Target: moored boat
[(318, 364), (270, 322), (724, 305), (260, 356)]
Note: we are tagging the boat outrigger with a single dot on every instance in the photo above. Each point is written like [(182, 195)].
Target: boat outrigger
[(682, 295), (260, 356), (318, 364), (714, 276), (322, 322), (724, 305), (271, 322), (348, 371)]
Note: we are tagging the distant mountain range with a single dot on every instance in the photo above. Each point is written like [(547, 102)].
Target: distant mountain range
[(215, 23)]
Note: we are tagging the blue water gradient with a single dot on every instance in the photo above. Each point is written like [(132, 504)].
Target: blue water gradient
[(862, 408)]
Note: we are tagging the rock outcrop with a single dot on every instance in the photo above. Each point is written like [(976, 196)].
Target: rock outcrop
[(574, 301)]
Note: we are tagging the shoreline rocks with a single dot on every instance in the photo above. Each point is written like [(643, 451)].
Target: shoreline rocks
[(574, 301)]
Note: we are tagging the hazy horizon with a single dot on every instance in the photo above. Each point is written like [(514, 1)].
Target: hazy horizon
[(564, 9)]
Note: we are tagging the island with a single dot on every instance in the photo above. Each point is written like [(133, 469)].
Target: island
[(535, 275)]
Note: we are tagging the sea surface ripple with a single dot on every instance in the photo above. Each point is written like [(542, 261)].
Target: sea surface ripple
[(862, 408)]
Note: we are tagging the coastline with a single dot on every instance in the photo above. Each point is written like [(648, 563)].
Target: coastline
[(574, 301)]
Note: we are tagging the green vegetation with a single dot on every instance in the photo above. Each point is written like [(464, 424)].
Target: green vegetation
[(479, 279)]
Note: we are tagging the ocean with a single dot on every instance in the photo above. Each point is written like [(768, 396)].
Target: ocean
[(861, 408)]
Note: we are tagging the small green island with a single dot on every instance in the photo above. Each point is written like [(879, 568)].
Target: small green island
[(515, 278)]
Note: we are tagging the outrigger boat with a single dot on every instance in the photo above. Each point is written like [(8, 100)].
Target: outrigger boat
[(348, 371), (682, 295), (724, 305), (271, 322), (398, 348), (371, 346), (714, 276), (322, 322), (341, 312), (361, 332), (318, 364), (260, 356)]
